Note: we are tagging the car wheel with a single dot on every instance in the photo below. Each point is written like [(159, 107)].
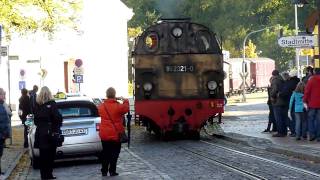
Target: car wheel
[(35, 162)]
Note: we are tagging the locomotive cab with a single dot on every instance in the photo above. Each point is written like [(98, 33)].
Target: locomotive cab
[(178, 76)]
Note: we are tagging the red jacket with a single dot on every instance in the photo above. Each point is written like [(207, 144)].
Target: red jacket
[(312, 92), (110, 128)]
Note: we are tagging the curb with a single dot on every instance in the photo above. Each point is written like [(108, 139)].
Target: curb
[(14, 164), (295, 154), (270, 147)]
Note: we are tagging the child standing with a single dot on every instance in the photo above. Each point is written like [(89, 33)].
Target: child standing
[(301, 122)]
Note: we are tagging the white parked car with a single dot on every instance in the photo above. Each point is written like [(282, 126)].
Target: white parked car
[(81, 123)]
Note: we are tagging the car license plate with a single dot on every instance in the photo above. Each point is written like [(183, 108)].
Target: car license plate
[(75, 132)]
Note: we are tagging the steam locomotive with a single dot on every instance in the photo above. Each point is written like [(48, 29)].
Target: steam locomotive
[(178, 77)]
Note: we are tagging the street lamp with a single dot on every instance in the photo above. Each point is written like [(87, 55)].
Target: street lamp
[(297, 3), (244, 57)]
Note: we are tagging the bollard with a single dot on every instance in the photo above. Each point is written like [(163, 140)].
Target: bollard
[(129, 116)]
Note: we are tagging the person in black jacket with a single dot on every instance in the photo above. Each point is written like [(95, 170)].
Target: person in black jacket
[(48, 121), (24, 110), (272, 120), (278, 104), (33, 98)]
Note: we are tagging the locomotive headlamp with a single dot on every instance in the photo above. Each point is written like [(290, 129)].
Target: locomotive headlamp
[(147, 86), (177, 32), (212, 85)]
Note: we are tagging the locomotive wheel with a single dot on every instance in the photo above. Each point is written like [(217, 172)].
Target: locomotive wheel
[(194, 135)]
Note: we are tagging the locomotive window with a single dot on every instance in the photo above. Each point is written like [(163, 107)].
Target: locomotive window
[(151, 42), (203, 41)]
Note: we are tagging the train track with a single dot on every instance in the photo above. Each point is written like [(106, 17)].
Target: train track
[(225, 165), (244, 171)]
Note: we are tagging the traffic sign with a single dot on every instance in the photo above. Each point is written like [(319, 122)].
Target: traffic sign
[(79, 78), (304, 41), (22, 84), (13, 57), (78, 63), (78, 70), (4, 50)]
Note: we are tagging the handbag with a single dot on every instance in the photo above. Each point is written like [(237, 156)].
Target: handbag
[(57, 139), (123, 138)]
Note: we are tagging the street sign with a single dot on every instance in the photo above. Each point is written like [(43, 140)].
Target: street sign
[(33, 61), (79, 78), (78, 70), (22, 84), (305, 41), (13, 58), (4, 50), (78, 63)]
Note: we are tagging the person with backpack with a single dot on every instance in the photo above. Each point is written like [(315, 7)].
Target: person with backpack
[(4, 123)]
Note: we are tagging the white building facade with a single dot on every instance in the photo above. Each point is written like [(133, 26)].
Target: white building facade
[(102, 47)]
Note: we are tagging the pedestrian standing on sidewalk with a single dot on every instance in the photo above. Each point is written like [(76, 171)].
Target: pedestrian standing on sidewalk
[(24, 110), (289, 85), (272, 120), (33, 98), (4, 124), (111, 113), (48, 121), (311, 99), (278, 104), (309, 73), (296, 100)]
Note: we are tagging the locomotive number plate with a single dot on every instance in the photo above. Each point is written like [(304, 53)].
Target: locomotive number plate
[(179, 68)]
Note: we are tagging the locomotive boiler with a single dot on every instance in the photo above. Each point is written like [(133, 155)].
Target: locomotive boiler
[(178, 77)]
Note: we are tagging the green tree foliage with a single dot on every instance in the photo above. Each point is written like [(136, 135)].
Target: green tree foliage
[(231, 19), (25, 16)]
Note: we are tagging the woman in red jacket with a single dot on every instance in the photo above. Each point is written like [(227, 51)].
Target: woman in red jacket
[(111, 113)]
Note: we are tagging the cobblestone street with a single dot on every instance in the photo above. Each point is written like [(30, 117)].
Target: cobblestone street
[(210, 158)]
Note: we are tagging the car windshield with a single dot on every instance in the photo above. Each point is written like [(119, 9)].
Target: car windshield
[(75, 112)]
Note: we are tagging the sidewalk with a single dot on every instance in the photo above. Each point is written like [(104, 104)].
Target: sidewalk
[(244, 123), (13, 152)]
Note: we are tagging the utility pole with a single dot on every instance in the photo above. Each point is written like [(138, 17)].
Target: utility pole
[(316, 60), (296, 32)]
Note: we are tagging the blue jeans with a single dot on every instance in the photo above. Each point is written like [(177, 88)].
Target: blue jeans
[(314, 123), (301, 124), (292, 122), (281, 115)]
